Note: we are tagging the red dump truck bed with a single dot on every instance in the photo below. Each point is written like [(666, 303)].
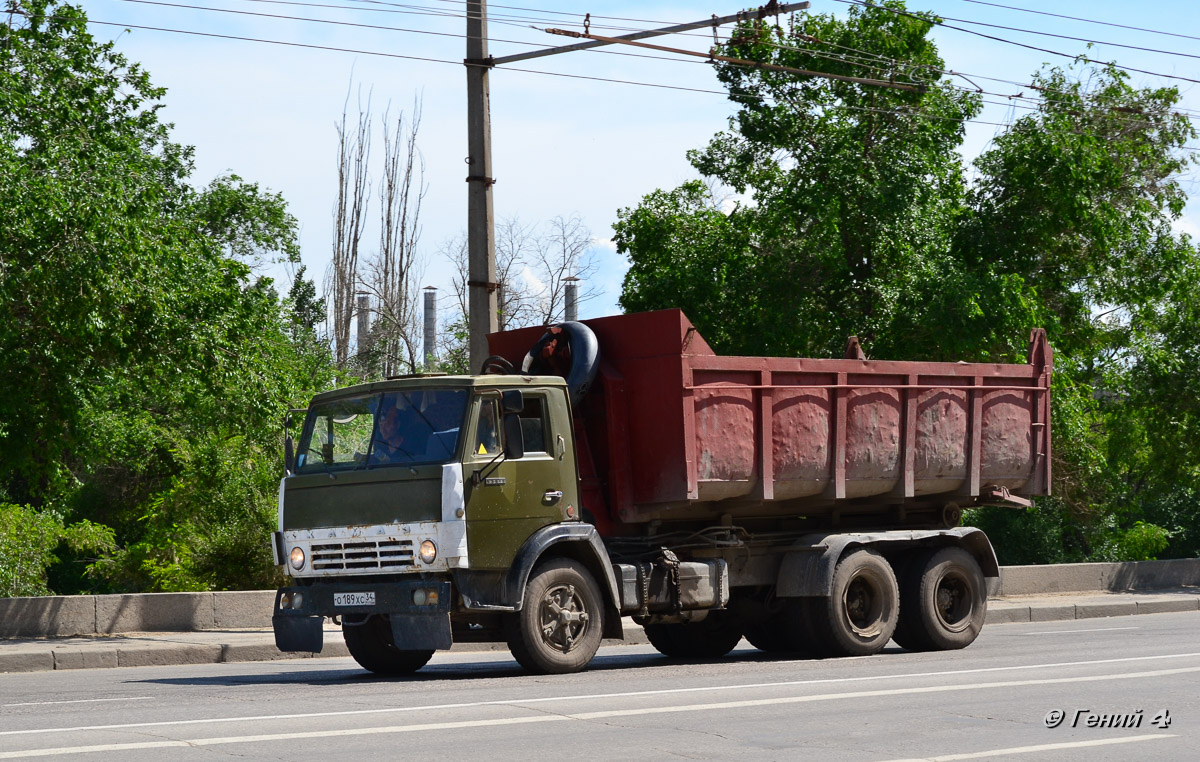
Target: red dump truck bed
[(671, 431)]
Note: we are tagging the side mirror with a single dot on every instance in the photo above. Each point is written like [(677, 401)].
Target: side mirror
[(289, 447), (514, 437), (512, 401)]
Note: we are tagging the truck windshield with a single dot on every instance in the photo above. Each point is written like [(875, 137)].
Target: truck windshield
[(391, 428)]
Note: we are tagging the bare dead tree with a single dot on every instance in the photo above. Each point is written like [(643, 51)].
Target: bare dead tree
[(515, 245), (563, 252), (394, 274), (349, 213), (532, 268), (454, 251)]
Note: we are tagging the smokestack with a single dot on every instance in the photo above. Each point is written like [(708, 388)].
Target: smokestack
[(430, 326), (364, 324), (572, 298)]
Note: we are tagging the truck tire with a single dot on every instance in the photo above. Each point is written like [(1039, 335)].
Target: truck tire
[(710, 638), (859, 616), (789, 632), (558, 629), (769, 636), (370, 643), (943, 602)]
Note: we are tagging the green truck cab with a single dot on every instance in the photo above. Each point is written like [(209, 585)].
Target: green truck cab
[(413, 511)]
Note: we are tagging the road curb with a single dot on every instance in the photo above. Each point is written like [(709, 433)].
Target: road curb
[(1054, 609)]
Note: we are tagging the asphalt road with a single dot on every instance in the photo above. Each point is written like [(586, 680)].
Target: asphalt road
[(989, 701)]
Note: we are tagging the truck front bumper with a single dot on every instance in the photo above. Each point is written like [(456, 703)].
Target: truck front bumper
[(418, 609)]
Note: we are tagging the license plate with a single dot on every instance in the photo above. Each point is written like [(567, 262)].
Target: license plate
[(354, 599)]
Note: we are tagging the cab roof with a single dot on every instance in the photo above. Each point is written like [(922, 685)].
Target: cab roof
[(490, 381)]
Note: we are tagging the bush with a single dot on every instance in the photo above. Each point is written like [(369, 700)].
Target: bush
[(29, 540), (210, 529)]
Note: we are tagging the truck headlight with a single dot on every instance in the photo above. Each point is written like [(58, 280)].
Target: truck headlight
[(297, 558), (428, 551)]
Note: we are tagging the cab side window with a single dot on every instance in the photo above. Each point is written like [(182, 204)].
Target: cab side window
[(487, 431), (534, 426)]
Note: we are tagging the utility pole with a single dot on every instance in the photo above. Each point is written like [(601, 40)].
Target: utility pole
[(481, 235), (481, 232)]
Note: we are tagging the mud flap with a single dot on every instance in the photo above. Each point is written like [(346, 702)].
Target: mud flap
[(420, 632), (299, 633)]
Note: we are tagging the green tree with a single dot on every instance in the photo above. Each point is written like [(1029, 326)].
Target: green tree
[(134, 332), (849, 193), (306, 311)]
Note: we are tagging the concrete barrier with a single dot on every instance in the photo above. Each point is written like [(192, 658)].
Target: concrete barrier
[(248, 608), (82, 615), (1082, 578), (154, 612), (52, 616), (75, 615)]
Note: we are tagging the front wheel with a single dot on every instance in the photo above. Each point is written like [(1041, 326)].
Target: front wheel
[(558, 629), (943, 602), (370, 643)]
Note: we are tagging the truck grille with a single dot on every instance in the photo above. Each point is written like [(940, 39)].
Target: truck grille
[(359, 554)]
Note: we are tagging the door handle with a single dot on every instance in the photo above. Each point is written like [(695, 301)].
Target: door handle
[(552, 496)]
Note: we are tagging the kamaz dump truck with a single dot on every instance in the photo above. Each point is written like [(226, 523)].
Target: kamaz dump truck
[(619, 468)]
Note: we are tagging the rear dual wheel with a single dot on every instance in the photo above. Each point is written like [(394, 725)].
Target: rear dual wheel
[(943, 601), (860, 615)]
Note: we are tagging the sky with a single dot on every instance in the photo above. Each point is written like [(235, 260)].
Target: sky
[(561, 145)]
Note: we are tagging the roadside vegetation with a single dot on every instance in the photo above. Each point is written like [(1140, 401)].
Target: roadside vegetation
[(146, 368)]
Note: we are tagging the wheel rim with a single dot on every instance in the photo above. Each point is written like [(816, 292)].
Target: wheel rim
[(863, 603), (954, 602), (564, 618)]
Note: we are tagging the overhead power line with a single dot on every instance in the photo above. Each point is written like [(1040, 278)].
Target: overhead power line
[(1069, 37), (867, 60), (1085, 20), (367, 26), (746, 64), (723, 93), (398, 55), (898, 12)]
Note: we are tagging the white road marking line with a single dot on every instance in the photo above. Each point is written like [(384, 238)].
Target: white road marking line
[(1034, 749), (80, 701), (587, 716), (591, 696), (1072, 632)]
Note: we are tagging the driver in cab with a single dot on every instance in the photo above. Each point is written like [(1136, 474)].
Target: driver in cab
[(389, 445)]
